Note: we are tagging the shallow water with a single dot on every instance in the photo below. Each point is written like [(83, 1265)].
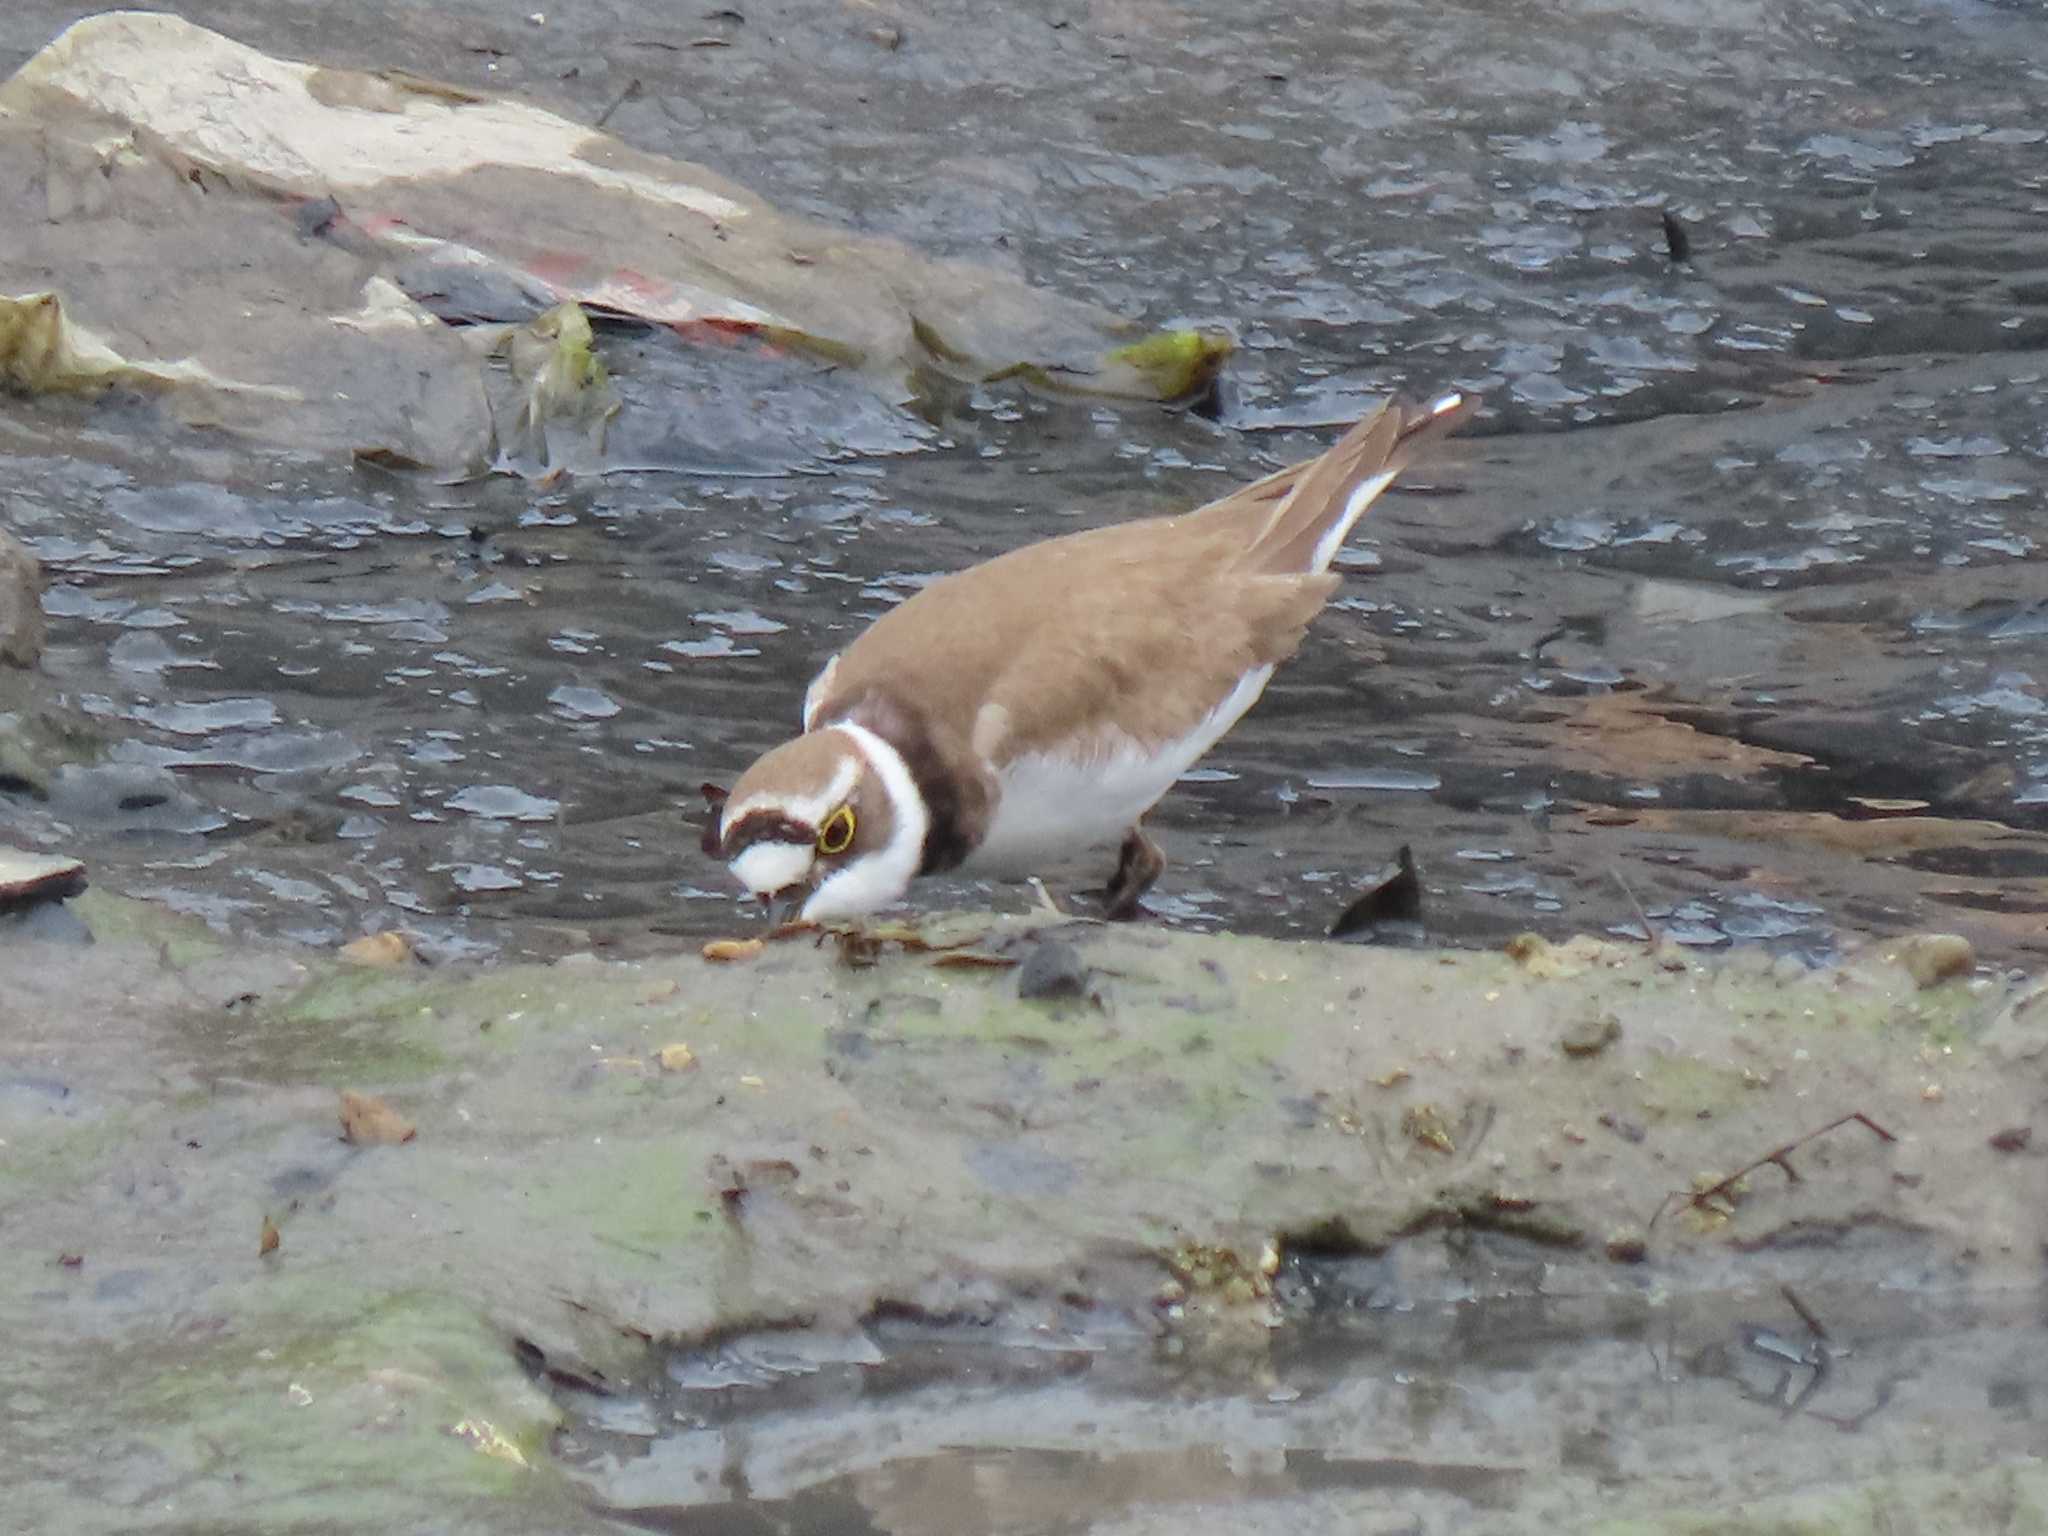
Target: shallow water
[(1440, 1406), (1753, 532)]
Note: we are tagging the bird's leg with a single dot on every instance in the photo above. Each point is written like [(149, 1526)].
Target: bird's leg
[(1138, 863)]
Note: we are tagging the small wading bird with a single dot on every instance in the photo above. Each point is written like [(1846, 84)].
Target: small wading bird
[(1037, 705)]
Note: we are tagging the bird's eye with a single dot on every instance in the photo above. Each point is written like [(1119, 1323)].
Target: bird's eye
[(836, 836)]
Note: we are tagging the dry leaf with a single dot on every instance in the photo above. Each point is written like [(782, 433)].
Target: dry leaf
[(733, 949), (370, 1122), (267, 1243), (384, 951), (662, 991), (677, 1058), (1547, 961), (1424, 1124), (485, 1436)]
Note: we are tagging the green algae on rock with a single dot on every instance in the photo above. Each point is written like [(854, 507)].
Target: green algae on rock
[(902, 1135)]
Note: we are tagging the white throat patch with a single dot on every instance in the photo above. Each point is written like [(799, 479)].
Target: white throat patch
[(765, 868), (879, 877)]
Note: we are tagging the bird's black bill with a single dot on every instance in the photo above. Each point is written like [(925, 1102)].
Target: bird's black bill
[(782, 906)]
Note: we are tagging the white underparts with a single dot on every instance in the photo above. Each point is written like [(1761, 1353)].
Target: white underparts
[(1058, 803), (882, 875), (1362, 496)]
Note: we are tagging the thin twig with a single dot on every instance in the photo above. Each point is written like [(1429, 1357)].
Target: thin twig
[(630, 93), (1777, 1157), (1650, 935), (1805, 1315)]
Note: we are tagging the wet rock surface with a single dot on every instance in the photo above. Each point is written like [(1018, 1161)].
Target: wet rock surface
[(21, 604), (1730, 595)]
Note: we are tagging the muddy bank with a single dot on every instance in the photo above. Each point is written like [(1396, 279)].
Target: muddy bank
[(1196, 1140)]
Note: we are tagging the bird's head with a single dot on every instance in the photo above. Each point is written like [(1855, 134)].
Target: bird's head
[(829, 822)]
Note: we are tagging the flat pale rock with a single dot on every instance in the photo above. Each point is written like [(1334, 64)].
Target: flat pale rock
[(26, 877)]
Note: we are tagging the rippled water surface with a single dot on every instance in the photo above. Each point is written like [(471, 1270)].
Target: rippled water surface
[(1728, 615), (1382, 1406)]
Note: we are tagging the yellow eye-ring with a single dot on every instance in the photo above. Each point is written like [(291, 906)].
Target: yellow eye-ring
[(836, 836)]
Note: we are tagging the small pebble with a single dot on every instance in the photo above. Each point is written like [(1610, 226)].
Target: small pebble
[(1053, 969), (1627, 1246), (1591, 1036), (1932, 958)]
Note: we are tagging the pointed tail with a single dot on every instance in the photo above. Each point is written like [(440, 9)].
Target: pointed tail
[(1311, 522)]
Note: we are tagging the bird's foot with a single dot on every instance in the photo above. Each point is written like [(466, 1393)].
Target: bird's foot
[(1139, 863)]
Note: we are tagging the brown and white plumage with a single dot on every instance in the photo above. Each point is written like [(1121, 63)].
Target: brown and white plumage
[(1039, 703)]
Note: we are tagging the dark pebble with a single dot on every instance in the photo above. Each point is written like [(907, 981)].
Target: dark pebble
[(1053, 969)]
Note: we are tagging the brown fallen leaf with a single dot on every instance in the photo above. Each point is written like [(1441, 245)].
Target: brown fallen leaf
[(858, 948), (385, 951), (268, 1241), (71, 1260), (1547, 961), (733, 949), (676, 1058), (370, 1122), (974, 959)]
